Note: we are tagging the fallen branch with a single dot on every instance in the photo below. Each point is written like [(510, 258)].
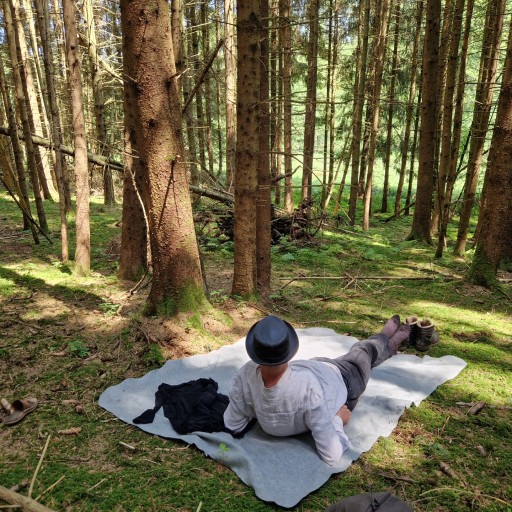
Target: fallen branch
[(374, 278), (25, 503), (68, 150), (50, 488), (412, 203), (31, 486)]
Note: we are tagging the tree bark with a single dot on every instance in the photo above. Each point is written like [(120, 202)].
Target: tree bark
[(22, 111), (447, 134), (33, 107), (177, 283), (83, 232), (385, 189), (247, 147), (378, 55), (310, 118), (493, 245), (17, 153), (362, 54), (483, 102), (230, 59), (410, 107), (263, 210), (286, 45), (421, 220), (98, 95), (55, 126)]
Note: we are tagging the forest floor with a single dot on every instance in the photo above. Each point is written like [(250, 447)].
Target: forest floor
[(64, 340)]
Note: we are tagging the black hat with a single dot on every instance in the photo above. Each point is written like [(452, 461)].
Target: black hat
[(271, 341)]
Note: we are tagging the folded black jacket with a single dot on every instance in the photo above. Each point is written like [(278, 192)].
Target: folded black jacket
[(192, 406)]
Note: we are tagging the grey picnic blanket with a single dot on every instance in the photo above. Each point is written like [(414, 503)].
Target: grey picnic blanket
[(285, 470)]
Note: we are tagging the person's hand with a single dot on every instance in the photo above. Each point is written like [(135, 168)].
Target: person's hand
[(344, 413)]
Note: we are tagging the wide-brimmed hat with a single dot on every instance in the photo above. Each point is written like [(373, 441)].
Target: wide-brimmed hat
[(271, 341)]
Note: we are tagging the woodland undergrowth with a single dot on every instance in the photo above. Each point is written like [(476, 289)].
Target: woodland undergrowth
[(65, 339)]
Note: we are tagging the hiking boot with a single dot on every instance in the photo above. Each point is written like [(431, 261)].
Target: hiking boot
[(412, 322), (426, 337)]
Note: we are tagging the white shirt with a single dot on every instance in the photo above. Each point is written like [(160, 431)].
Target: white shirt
[(306, 398)]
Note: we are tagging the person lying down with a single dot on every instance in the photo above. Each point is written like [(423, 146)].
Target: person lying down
[(317, 395)]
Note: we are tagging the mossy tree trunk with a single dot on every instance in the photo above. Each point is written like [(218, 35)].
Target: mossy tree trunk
[(494, 245), (177, 283)]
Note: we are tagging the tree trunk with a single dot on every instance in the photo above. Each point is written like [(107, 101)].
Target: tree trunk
[(133, 261), (177, 283), (483, 102), (413, 152), (447, 135), (422, 211), (410, 107), (12, 37), (247, 147), (385, 190), (55, 126), (263, 211), (286, 45), (378, 55), (328, 89), (310, 118), (493, 245), (17, 152), (230, 58), (362, 55), (83, 232), (33, 109), (99, 104)]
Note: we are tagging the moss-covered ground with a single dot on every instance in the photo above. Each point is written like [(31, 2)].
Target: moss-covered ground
[(65, 339)]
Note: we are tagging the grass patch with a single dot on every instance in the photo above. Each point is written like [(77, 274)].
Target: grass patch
[(102, 338)]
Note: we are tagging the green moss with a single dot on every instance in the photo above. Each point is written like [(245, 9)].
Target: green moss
[(190, 298), (482, 271)]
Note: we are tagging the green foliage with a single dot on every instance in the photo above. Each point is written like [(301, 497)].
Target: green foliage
[(108, 307), (78, 348)]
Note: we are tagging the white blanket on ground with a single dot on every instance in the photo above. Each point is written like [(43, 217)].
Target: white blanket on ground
[(285, 470)]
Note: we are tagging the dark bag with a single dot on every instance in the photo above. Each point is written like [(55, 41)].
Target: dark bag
[(371, 502)]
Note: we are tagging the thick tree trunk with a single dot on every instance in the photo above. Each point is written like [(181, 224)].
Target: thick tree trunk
[(177, 283), (429, 107), (12, 37), (83, 232), (385, 190), (286, 45), (494, 245), (483, 102), (362, 56), (55, 126), (230, 58), (247, 147), (378, 55), (410, 108)]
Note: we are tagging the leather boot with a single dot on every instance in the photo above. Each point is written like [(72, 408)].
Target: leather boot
[(412, 322), (427, 336)]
